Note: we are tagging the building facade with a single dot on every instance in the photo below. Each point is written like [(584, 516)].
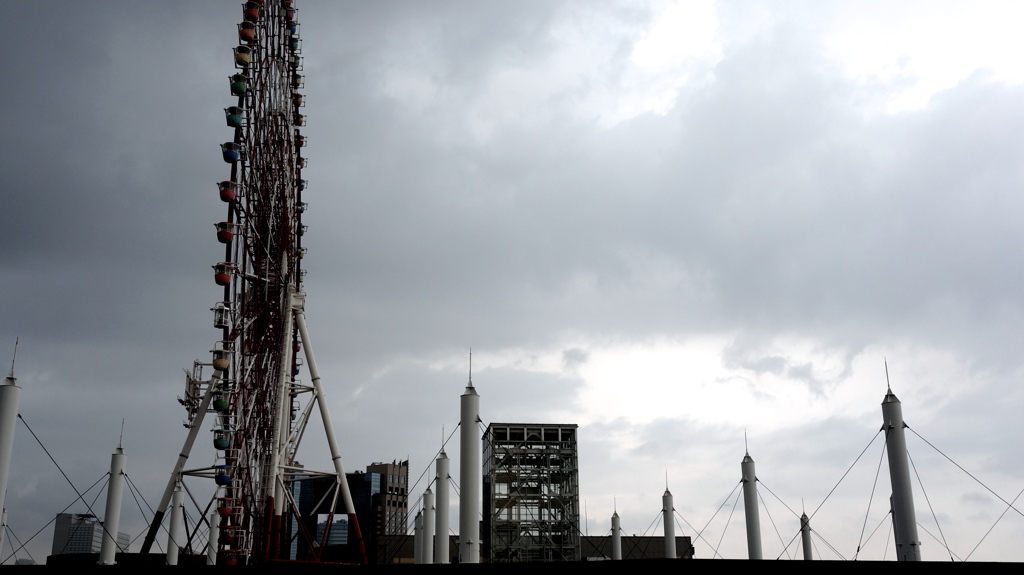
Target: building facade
[(393, 513), (81, 533), (531, 493)]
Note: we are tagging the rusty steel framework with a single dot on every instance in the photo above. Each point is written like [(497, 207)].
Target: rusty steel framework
[(260, 408)]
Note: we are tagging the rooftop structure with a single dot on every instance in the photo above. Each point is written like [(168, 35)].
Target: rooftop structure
[(531, 493)]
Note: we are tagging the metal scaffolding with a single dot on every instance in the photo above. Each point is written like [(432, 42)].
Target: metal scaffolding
[(531, 493)]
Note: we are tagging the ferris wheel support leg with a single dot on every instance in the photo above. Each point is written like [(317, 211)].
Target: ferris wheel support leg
[(298, 300), (281, 440), (158, 516)]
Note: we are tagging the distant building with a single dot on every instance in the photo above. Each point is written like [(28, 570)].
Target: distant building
[(338, 534), (394, 496), (380, 496), (313, 497), (302, 494), (531, 493), (81, 533), (390, 510)]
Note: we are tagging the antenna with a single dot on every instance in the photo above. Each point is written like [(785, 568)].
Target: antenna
[(120, 439), (745, 448), (615, 505), (14, 358), (887, 386), (471, 367), (666, 480)]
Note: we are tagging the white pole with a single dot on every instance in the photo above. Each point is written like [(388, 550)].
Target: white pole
[(805, 536), (428, 527), (441, 515), (417, 538), (174, 538), (10, 393), (179, 465), (112, 518), (908, 546), (750, 508), (325, 415), (283, 425), (470, 477), (668, 518), (211, 548), (616, 538)]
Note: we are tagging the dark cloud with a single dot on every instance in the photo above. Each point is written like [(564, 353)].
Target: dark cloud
[(452, 208)]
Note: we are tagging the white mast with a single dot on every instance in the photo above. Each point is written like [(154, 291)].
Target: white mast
[(750, 507), (616, 537), (428, 527), (10, 393), (211, 548), (441, 516), (174, 536), (908, 546), (417, 538), (805, 536), (112, 517), (470, 474), (668, 519)]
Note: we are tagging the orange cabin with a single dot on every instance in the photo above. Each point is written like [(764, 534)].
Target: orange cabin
[(247, 32), (251, 11)]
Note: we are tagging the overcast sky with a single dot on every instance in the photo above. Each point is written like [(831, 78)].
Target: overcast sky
[(672, 223)]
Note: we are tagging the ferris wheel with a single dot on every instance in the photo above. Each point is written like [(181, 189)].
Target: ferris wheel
[(259, 406)]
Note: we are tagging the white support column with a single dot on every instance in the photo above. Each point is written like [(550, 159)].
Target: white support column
[(750, 507), (179, 465), (112, 516), (417, 538), (908, 546), (211, 548), (805, 537), (283, 424), (470, 476), (441, 515), (428, 527), (325, 415), (616, 538), (668, 519), (175, 536), (10, 394)]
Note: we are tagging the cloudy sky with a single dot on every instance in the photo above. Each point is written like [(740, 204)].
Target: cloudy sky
[(672, 223)]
